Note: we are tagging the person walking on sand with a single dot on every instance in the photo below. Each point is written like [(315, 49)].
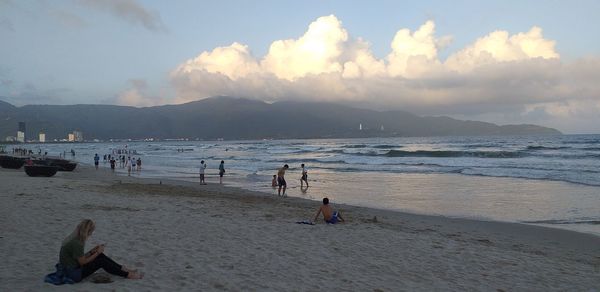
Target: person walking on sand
[(329, 215), (304, 177), (281, 180), (96, 160), (112, 164), (202, 168), (79, 265), (221, 171)]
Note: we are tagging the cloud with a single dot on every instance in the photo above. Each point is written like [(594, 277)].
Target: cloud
[(499, 46), (499, 74), (129, 10), (234, 61), (137, 95), (317, 51), (28, 93)]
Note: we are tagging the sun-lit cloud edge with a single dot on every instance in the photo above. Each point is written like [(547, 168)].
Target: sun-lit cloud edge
[(498, 73)]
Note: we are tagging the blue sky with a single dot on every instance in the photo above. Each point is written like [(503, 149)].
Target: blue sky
[(92, 51)]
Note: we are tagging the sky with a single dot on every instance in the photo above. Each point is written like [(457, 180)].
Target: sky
[(506, 62)]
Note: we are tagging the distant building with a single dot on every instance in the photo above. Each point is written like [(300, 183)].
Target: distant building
[(76, 136), (21, 132), (42, 137)]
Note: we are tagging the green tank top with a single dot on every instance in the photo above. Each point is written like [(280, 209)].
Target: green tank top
[(69, 252)]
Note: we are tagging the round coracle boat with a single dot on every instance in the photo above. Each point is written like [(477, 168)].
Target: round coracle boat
[(40, 170)]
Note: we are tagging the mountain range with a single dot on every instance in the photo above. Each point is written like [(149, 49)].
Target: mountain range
[(238, 118)]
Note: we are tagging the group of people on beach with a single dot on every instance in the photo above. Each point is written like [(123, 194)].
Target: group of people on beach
[(130, 162), (22, 151), (64, 153), (75, 264), (203, 171), (329, 215), (279, 179)]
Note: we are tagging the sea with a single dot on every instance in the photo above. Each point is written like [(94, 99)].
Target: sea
[(544, 180)]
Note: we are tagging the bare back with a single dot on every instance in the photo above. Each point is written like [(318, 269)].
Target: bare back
[(327, 212), (281, 172)]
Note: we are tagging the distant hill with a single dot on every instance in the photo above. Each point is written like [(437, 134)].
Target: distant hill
[(237, 118)]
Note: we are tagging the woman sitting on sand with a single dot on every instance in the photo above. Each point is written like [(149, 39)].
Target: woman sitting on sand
[(79, 265)]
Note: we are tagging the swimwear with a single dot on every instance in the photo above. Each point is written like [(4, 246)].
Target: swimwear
[(305, 177), (334, 218), (281, 181)]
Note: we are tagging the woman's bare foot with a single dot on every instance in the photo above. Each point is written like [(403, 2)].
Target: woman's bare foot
[(135, 275), (125, 269)]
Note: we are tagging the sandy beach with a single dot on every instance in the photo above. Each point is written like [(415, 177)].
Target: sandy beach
[(187, 237)]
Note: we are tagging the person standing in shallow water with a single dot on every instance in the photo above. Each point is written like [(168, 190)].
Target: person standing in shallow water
[(221, 171), (112, 164), (96, 160), (304, 177), (281, 180), (202, 170), (78, 265)]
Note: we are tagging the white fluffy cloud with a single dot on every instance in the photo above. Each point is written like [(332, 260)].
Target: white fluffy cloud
[(500, 73), (317, 51), (499, 46)]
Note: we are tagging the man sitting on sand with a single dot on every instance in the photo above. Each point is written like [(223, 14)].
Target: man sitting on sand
[(329, 215)]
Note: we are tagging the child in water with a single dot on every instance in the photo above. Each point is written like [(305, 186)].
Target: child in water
[(274, 181)]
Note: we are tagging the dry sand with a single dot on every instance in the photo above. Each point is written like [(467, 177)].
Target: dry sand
[(187, 237)]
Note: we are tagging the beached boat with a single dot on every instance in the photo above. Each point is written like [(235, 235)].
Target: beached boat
[(62, 164), (12, 162), (40, 170)]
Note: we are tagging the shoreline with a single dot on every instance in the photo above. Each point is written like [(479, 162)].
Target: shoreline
[(238, 233), (239, 185), (228, 189)]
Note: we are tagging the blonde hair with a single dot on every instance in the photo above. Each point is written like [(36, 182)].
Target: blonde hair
[(83, 231)]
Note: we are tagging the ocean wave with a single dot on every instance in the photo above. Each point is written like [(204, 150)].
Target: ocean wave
[(547, 147), (486, 145), (533, 168), (590, 148), (583, 141), (451, 153), (355, 146), (565, 221), (532, 177), (288, 151), (386, 146)]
